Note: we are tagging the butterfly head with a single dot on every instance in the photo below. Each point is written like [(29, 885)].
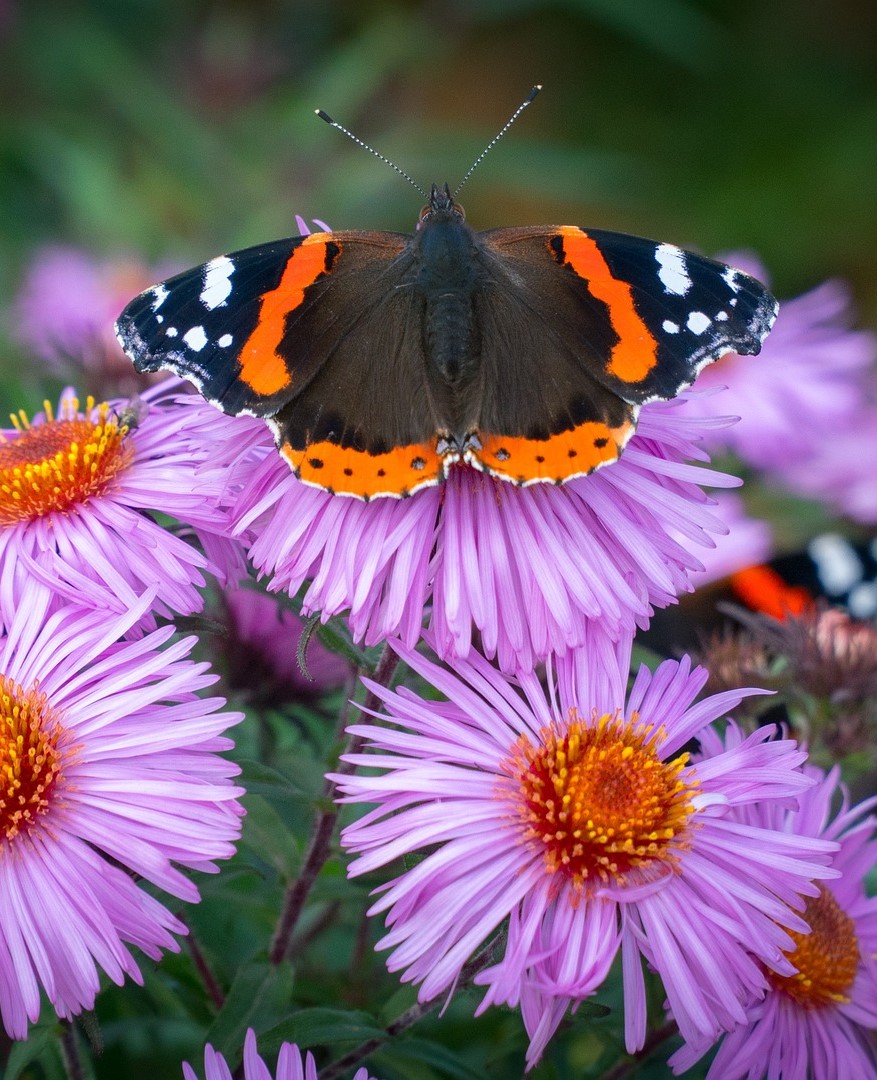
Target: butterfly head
[(441, 206)]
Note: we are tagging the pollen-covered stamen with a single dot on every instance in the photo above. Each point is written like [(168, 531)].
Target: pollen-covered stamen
[(827, 958), (30, 757), (59, 464), (599, 800)]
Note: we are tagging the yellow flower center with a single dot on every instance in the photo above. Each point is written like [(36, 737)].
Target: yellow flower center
[(30, 756), (827, 958), (599, 800), (57, 465)]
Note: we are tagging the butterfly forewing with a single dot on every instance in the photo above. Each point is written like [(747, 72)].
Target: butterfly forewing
[(641, 316), (381, 360)]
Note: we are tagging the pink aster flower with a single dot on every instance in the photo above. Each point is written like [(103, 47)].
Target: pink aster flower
[(290, 1065), (65, 310), (747, 542), (820, 1020), (111, 773), (261, 652), (578, 818), (840, 471), (804, 387), (527, 570), (77, 491)]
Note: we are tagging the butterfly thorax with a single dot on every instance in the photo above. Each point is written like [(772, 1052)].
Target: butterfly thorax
[(447, 277)]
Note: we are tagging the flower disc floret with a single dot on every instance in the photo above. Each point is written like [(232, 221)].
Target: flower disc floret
[(59, 464), (80, 489), (110, 777), (599, 800), (30, 756), (572, 825), (826, 959)]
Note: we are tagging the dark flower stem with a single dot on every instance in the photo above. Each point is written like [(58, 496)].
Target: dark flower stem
[(653, 1041), (70, 1052), (409, 1017), (319, 846), (211, 983)]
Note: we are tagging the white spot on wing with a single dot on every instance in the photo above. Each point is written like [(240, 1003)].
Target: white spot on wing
[(159, 295), (225, 341), (217, 282), (722, 316), (171, 331), (698, 322), (673, 271), (862, 600), (732, 277), (670, 327), (195, 338), (838, 565)]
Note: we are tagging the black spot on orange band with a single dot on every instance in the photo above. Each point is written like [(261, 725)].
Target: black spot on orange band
[(345, 471), (560, 457)]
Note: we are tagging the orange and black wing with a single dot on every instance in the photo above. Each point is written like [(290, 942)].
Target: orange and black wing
[(579, 328), (320, 335)]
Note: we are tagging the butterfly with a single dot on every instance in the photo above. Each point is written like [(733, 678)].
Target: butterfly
[(382, 360)]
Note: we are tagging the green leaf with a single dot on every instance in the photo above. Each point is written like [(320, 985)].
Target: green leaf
[(324, 1027), (268, 835), (425, 1059), (261, 779), (259, 996), (41, 1046)]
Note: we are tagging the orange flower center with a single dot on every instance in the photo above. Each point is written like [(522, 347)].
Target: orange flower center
[(827, 958), (58, 465), (30, 757), (599, 800)]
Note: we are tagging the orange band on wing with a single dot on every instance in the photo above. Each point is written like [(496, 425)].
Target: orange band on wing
[(560, 457), (763, 590), (636, 352), (344, 471), (262, 368)]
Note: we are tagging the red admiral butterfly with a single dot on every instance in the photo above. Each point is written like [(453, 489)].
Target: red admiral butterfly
[(381, 359), (830, 570)]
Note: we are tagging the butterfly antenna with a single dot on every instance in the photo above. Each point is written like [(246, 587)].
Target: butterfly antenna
[(498, 136), (334, 123)]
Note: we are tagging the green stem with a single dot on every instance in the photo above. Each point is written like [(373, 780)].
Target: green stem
[(409, 1017), (320, 843), (70, 1052), (626, 1068)]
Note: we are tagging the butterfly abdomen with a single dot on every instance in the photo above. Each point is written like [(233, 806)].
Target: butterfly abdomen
[(447, 280)]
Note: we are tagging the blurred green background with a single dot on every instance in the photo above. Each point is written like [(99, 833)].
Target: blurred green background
[(174, 131)]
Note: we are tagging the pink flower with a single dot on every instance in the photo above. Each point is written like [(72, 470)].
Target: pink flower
[(65, 312), (577, 817), (804, 387), (840, 470), (820, 1020), (77, 491), (748, 542), (112, 773), (261, 651), (289, 1064), (525, 570)]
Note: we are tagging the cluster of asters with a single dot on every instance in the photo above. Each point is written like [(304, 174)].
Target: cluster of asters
[(573, 814)]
